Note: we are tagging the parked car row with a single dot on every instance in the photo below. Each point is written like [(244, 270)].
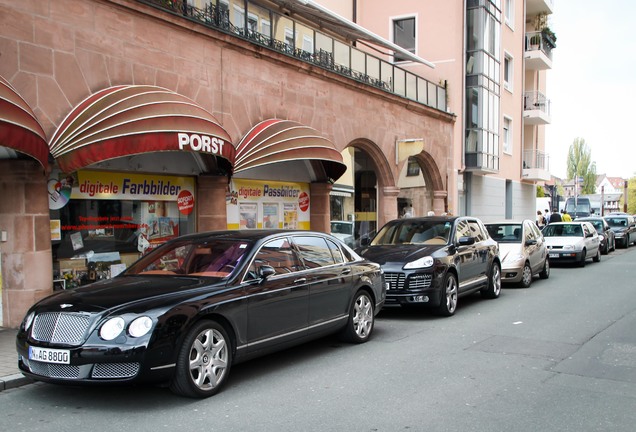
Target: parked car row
[(190, 309)]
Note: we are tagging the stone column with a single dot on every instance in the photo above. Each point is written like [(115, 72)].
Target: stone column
[(387, 205), (320, 217), (210, 205), (439, 201), (27, 260)]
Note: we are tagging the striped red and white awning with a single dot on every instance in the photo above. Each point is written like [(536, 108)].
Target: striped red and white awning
[(134, 119), (19, 128), (275, 140)]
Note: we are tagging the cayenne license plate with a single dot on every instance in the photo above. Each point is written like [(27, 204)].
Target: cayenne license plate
[(554, 255), (48, 355)]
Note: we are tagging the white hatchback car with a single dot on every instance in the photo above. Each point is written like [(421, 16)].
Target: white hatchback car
[(572, 242), (522, 250)]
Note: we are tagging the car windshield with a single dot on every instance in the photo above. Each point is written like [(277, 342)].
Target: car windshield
[(597, 224), (211, 258), (342, 228), (616, 222), (563, 230), (580, 207), (427, 232), (505, 233)]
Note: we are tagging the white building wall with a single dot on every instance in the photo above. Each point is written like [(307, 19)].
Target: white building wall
[(488, 199)]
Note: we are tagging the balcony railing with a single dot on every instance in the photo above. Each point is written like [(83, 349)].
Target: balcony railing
[(536, 159), (280, 33), (541, 42), (535, 100)]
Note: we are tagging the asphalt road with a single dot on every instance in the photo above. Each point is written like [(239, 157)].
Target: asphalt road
[(558, 356)]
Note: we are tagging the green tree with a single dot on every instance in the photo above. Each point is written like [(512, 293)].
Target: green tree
[(580, 165), (540, 191)]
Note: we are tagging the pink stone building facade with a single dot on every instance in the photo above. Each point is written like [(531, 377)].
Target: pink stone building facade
[(57, 53)]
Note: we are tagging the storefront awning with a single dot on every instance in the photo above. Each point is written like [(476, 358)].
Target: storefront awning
[(273, 141), (20, 131), (134, 119)]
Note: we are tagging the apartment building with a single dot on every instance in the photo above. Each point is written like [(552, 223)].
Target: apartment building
[(493, 57)]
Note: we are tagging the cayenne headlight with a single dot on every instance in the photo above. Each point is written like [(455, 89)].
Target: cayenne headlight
[(112, 328), (28, 320), (424, 262), (140, 326)]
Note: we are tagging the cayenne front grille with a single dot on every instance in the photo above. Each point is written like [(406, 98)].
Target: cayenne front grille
[(420, 281), (60, 327), (395, 280)]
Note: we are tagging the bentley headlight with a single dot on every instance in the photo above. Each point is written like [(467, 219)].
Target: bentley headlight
[(28, 320), (140, 326), (424, 262), (112, 328)]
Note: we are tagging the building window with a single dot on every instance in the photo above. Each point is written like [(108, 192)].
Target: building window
[(252, 22), (509, 13), (239, 17), (413, 168), (507, 135), (508, 72), (266, 28), (404, 35), (289, 37)]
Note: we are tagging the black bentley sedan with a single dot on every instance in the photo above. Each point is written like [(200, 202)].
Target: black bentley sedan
[(434, 260), (190, 309)]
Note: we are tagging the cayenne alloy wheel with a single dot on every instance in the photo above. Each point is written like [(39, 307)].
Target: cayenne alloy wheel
[(448, 301), (494, 282), (204, 361)]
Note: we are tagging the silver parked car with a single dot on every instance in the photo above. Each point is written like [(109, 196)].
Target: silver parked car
[(522, 250), (573, 242)]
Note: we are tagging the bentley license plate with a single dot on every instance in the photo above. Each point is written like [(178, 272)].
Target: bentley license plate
[(48, 355)]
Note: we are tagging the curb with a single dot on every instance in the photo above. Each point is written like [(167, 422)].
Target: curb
[(14, 381)]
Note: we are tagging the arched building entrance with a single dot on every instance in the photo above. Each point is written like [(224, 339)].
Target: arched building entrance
[(421, 186)]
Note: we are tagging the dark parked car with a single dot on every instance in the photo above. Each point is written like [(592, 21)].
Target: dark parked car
[(189, 310), (435, 260), (605, 233), (624, 228)]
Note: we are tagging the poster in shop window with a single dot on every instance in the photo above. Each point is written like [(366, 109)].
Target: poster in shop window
[(270, 215), (248, 215), (268, 204)]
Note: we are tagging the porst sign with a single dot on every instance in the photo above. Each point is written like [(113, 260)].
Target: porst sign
[(201, 143)]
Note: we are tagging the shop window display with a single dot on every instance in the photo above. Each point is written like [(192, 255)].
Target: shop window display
[(98, 238)]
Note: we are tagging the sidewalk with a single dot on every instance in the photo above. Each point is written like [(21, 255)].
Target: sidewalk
[(10, 376)]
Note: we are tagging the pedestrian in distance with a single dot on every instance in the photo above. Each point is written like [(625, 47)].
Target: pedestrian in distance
[(566, 217), (555, 216), (540, 219)]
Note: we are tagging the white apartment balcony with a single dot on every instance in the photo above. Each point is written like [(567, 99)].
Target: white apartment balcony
[(536, 166), (536, 7), (538, 53), (536, 109)]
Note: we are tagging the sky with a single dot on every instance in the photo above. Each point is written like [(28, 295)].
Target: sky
[(592, 84)]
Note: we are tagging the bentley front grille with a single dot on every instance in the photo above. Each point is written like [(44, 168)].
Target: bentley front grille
[(60, 327)]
